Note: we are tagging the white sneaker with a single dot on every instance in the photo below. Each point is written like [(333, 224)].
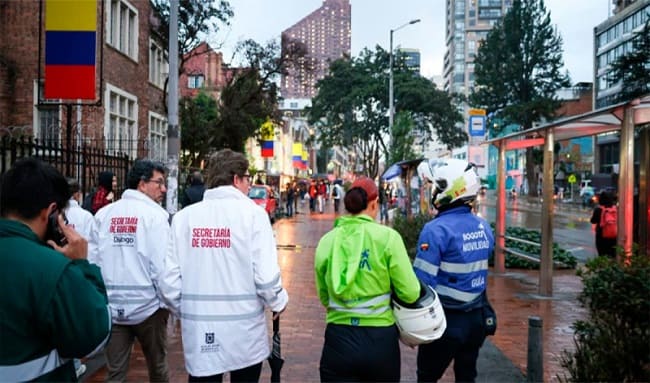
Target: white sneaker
[(81, 369)]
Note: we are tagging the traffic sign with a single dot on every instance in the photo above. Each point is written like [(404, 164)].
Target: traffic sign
[(572, 179)]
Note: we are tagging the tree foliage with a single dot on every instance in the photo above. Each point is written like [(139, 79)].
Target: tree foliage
[(633, 68), (250, 97), (518, 72), (351, 108), (403, 139), (198, 116)]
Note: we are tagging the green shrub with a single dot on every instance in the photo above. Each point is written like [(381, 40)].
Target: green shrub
[(559, 254), (409, 229), (613, 344)]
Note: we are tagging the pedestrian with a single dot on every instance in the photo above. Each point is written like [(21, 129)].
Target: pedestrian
[(605, 244), (313, 193), (291, 194), (104, 194), (358, 264), (129, 244), (337, 195), (384, 199), (194, 192), (83, 222), (452, 258), (222, 273), (52, 301)]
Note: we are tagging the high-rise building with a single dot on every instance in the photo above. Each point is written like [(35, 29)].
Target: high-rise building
[(468, 22), (411, 58), (613, 39), (326, 35)]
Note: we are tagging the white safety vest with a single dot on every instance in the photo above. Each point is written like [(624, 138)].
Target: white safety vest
[(220, 274), (129, 245)]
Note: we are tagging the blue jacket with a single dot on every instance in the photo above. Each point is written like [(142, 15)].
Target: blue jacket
[(452, 257)]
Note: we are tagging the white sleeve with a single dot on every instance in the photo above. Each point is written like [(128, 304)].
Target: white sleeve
[(268, 281), (170, 278), (157, 245), (93, 243)]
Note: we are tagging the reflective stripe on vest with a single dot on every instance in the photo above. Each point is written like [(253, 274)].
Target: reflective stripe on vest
[(221, 318), (131, 287), (425, 266), (32, 369), (456, 294), (362, 307), (268, 285), (219, 297), (464, 268)]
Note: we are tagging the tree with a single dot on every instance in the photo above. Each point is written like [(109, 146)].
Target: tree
[(197, 18), (633, 68), (351, 108), (403, 138), (518, 72), (198, 116), (250, 97)]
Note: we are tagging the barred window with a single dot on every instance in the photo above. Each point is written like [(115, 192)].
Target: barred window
[(47, 119)]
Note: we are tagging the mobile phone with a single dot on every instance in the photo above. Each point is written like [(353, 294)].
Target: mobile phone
[(53, 230)]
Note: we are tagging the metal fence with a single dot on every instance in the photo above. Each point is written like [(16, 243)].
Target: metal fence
[(83, 162)]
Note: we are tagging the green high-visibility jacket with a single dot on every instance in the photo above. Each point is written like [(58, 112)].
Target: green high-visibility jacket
[(358, 265), (52, 308)]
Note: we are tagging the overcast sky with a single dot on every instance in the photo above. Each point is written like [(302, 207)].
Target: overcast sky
[(372, 20)]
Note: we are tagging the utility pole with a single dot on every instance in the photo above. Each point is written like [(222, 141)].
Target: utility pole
[(173, 133)]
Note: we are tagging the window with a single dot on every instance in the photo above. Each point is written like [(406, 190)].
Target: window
[(121, 129), (122, 27), (195, 81), (47, 122), (158, 64), (157, 137)]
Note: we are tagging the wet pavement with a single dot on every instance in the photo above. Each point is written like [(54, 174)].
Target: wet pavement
[(502, 358)]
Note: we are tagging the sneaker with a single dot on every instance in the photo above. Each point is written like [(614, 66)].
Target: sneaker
[(81, 369)]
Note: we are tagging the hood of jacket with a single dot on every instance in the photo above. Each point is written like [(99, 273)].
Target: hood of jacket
[(349, 244)]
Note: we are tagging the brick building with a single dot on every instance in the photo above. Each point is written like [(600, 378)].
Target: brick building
[(131, 67), (204, 70), (327, 35)]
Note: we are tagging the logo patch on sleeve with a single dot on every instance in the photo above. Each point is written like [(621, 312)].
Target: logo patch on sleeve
[(424, 246)]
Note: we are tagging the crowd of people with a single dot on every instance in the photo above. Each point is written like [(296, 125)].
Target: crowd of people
[(75, 283)]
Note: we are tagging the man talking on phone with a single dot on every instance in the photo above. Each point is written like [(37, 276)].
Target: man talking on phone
[(53, 303)]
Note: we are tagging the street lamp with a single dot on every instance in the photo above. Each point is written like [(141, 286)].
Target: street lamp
[(391, 109)]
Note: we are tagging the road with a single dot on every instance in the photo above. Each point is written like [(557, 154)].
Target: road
[(571, 227)]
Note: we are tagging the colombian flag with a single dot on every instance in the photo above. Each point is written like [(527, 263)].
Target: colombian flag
[(296, 156), (305, 159), (267, 149), (70, 46)]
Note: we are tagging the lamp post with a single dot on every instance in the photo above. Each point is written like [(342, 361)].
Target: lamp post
[(391, 109)]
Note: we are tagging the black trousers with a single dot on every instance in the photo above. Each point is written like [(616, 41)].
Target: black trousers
[(461, 342), (247, 374), (360, 354)]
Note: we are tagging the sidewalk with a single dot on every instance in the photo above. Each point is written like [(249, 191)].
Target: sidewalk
[(502, 358)]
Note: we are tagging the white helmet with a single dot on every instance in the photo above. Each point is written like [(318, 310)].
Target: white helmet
[(453, 180), (422, 321)]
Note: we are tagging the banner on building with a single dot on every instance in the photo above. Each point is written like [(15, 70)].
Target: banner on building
[(296, 156), (70, 49), (305, 159), (267, 133)]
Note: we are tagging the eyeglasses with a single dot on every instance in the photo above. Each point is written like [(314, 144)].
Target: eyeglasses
[(161, 182)]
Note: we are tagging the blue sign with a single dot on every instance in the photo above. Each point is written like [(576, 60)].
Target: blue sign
[(477, 126)]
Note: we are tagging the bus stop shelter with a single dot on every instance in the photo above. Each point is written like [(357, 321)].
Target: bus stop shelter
[(625, 118)]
